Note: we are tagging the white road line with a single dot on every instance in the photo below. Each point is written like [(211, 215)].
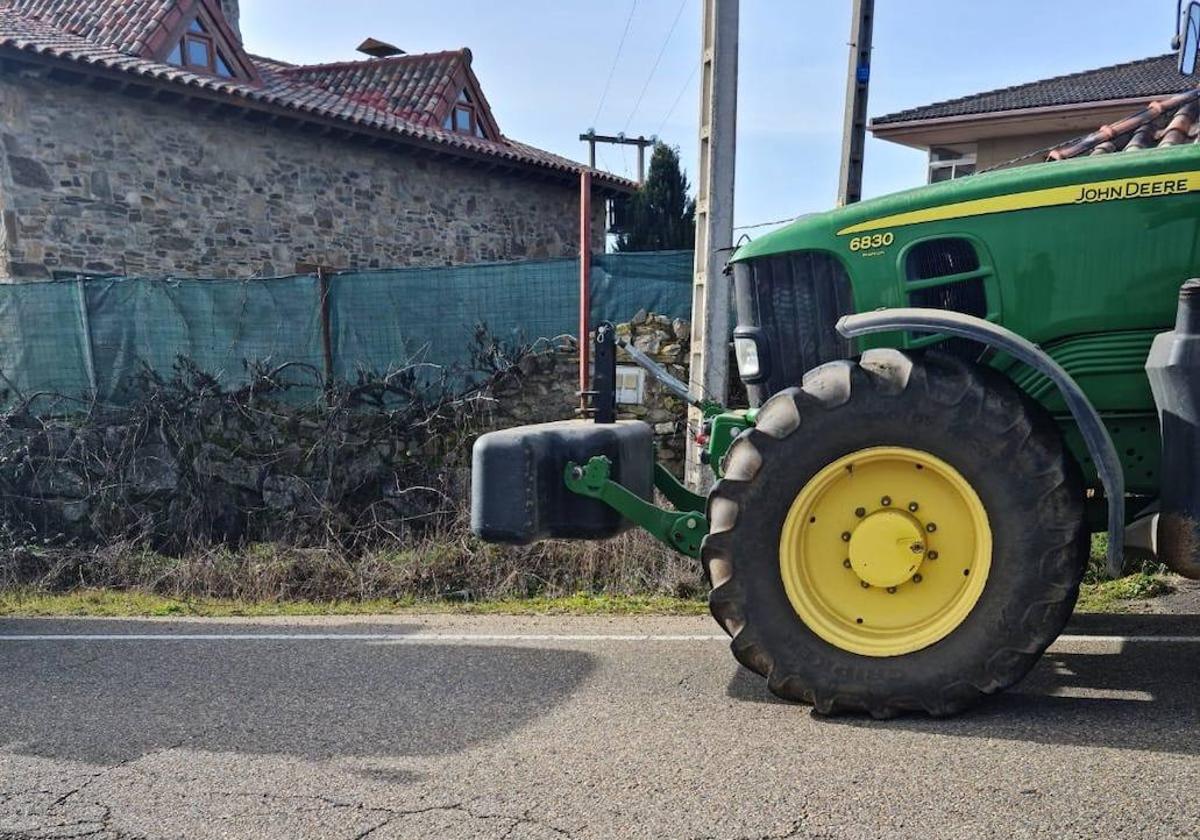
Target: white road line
[(408, 638), (1138, 640), (438, 638)]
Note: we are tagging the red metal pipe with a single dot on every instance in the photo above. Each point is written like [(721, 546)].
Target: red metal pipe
[(585, 284)]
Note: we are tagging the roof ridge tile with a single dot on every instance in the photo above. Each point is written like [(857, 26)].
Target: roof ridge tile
[(354, 63)]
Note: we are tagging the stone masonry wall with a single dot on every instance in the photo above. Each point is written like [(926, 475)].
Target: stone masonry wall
[(193, 464), (100, 182), (546, 389)]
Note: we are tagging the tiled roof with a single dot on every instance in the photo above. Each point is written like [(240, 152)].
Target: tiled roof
[(127, 25), (413, 87), (1169, 122), (1145, 79), (43, 28)]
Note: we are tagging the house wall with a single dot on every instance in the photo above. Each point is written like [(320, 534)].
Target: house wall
[(100, 182), (997, 150)]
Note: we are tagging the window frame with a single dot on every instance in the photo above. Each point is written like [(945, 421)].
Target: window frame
[(963, 157), (210, 48), (202, 30), (465, 104)]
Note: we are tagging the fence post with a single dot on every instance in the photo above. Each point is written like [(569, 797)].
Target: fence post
[(326, 331), (85, 321)]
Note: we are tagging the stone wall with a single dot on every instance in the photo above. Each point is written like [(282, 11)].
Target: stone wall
[(189, 464), (100, 182), (546, 388)]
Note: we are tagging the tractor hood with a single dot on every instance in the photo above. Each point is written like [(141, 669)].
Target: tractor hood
[(1083, 181)]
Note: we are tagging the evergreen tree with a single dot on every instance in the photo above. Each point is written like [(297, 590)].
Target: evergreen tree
[(661, 215)]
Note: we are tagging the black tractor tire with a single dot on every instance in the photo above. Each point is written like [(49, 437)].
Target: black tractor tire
[(973, 418)]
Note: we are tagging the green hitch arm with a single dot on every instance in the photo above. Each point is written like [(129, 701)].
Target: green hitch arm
[(675, 493), (682, 531)]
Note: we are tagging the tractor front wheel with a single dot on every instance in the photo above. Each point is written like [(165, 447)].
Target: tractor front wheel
[(901, 533)]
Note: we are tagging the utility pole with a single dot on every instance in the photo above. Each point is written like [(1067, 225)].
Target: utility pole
[(711, 298), (592, 138), (585, 290), (858, 84)]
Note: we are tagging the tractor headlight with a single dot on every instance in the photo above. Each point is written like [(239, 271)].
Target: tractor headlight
[(746, 350), (751, 354)]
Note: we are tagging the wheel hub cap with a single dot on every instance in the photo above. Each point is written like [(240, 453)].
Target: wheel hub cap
[(887, 548), (885, 551)]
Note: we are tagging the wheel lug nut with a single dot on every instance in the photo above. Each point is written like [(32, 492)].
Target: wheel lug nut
[(860, 512), (913, 507), (846, 563), (931, 555), (864, 585), (891, 590), (886, 501), (917, 578), (931, 527), (845, 536)]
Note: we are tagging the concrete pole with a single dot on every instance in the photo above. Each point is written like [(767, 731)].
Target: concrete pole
[(585, 287), (711, 298), (858, 84), (641, 160)]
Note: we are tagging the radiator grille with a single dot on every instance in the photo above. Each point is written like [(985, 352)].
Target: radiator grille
[(796, 300)]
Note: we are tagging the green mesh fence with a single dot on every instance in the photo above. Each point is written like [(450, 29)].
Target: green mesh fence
[(72, 341), (659, 281), (387, 319), (44, 352), (220, 325)]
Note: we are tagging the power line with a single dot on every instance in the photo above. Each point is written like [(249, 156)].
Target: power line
[(768, 224), (654, 69), (616, 60), (678, 99)]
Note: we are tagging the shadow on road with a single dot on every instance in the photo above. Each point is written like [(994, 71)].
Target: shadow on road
[(106, 702), (1144, 697)]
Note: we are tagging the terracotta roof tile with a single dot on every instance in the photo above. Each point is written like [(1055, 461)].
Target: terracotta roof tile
[(413, 87), (1168, 122), (127, 25), (94, 33), (1144, 79)]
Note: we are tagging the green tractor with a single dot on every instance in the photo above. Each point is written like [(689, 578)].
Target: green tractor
[(951, 389)]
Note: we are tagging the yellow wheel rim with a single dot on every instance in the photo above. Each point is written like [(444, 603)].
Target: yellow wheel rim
[(885, 551)]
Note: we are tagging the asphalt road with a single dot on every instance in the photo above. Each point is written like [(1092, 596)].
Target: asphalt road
[(527, 729)]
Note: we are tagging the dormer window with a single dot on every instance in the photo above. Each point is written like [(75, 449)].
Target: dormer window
[(464, 118), (197, 51), (203, 45)]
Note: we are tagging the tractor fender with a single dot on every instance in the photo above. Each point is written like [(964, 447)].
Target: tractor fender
[(1099, 443)]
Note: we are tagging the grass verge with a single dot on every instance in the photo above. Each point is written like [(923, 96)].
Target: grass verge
[(107, 603), (1109, 596), (258, 583), (1100, 597), (1144, 579)]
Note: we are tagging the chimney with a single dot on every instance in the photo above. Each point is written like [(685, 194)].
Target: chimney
[(233, 15), (379, 49)]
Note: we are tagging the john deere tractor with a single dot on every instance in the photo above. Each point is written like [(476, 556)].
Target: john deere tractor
[(951, 388)]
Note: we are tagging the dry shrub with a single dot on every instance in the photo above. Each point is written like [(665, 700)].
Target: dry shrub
[(192, 490)]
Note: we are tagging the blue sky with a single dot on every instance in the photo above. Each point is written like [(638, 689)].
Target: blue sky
[(543, 65)]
